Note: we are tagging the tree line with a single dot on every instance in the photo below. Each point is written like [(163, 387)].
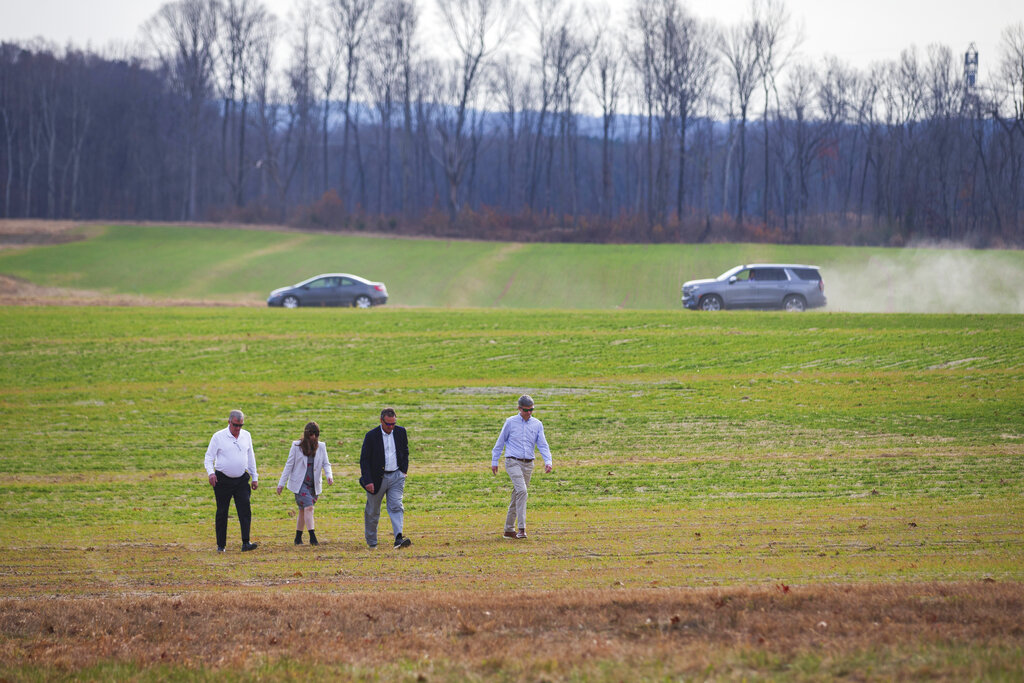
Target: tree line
[(543, 120)]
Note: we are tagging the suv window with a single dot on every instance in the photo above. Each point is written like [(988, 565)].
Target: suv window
[(763, 274), (807, 273)]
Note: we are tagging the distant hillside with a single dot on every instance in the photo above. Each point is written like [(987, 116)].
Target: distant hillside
[(242, 265)]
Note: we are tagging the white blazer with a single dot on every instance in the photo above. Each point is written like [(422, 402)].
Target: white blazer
[(295, 469)]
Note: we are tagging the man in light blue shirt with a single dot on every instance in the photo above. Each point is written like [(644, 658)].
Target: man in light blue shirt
[(519, 436)]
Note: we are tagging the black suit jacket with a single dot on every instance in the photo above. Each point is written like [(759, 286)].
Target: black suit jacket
[(371, 457)]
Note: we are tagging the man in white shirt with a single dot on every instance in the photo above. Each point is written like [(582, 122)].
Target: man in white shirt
[(519, 436), (230, 462)]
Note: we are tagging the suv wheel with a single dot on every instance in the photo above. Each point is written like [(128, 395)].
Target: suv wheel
[(711, 302), (794, 302), (290, 302)]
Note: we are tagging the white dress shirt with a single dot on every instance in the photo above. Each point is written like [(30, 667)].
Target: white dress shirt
[(230, 455), (390, 454)]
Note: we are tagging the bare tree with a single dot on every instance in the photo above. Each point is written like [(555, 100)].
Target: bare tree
[(1008, 112), (79, 119), (244, 21), (303, 74), (9, 90), (804, 137), (426, 96), (738, 49), (1011, 68), (836, 92), (944, 102), (184, 35), (478, 28), (349, 20), (50, 91), (510, 89), (546, 17), (899, 180), (384, 80), (866, 101), (775, 45), (406, 20), (277, 123), (574, 50), (693, 74), (327, 73), (651, 58), (606, 83)]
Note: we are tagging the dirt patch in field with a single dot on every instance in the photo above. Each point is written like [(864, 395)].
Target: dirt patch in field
[(15, 291), (31, 232), (677, 628)]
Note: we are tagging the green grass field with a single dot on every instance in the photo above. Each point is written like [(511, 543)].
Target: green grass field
[(704, 464), (240, 265)]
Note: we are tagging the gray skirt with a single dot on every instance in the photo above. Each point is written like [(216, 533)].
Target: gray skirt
[(306, 497)]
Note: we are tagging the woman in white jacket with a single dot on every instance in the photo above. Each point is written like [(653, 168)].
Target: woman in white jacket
[(303, 474)]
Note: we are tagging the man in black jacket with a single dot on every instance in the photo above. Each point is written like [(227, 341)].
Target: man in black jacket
[(384, 462)]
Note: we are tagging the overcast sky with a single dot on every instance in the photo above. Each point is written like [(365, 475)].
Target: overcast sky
[(858, 31)]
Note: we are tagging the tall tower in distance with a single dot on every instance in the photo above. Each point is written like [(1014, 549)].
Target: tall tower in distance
[(971, 68)]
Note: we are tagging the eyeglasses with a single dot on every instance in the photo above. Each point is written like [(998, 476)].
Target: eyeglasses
[(236, 424), (388, 424), (526, 410)]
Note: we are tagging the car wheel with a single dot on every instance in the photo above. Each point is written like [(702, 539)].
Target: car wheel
[(362, 301), (794, 302), (711, 302), (290, 302)]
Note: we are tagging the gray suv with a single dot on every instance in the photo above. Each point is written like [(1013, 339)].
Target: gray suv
[(763, 285)]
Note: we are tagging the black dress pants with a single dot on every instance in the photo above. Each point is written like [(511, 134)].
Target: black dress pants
[(226, 489)]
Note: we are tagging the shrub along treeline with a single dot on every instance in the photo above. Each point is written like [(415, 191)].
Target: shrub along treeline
[(699, 133)]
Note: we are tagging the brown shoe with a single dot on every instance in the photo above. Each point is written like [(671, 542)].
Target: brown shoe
[(510, 534), (521, 533)]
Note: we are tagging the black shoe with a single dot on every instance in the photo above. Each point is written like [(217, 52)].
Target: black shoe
[(246, 547), (298, 538), (312, 538), (221, 549), (402, 542)]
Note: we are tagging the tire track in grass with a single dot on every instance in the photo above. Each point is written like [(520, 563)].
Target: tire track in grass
[(235, 263), (478, 275)]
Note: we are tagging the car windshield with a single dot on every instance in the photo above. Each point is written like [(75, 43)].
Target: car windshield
[(729, 273)]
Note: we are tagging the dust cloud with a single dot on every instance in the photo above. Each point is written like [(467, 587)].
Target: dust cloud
[(924, 280)]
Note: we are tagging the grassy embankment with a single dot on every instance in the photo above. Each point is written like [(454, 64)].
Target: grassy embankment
[(735, 454)]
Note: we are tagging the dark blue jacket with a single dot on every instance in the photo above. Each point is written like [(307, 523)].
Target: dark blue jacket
[(371, 457)]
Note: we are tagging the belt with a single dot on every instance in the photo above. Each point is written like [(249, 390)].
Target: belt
[(522, 459), (390, 471)]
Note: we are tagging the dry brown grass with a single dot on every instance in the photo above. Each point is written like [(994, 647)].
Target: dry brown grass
[(684, 630), (18, 292), (15, 231)]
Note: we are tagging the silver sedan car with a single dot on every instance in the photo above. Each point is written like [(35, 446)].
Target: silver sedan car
[(791, 287), (331, 289)]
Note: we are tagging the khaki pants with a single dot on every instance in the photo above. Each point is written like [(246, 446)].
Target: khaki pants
[(519, 471)]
